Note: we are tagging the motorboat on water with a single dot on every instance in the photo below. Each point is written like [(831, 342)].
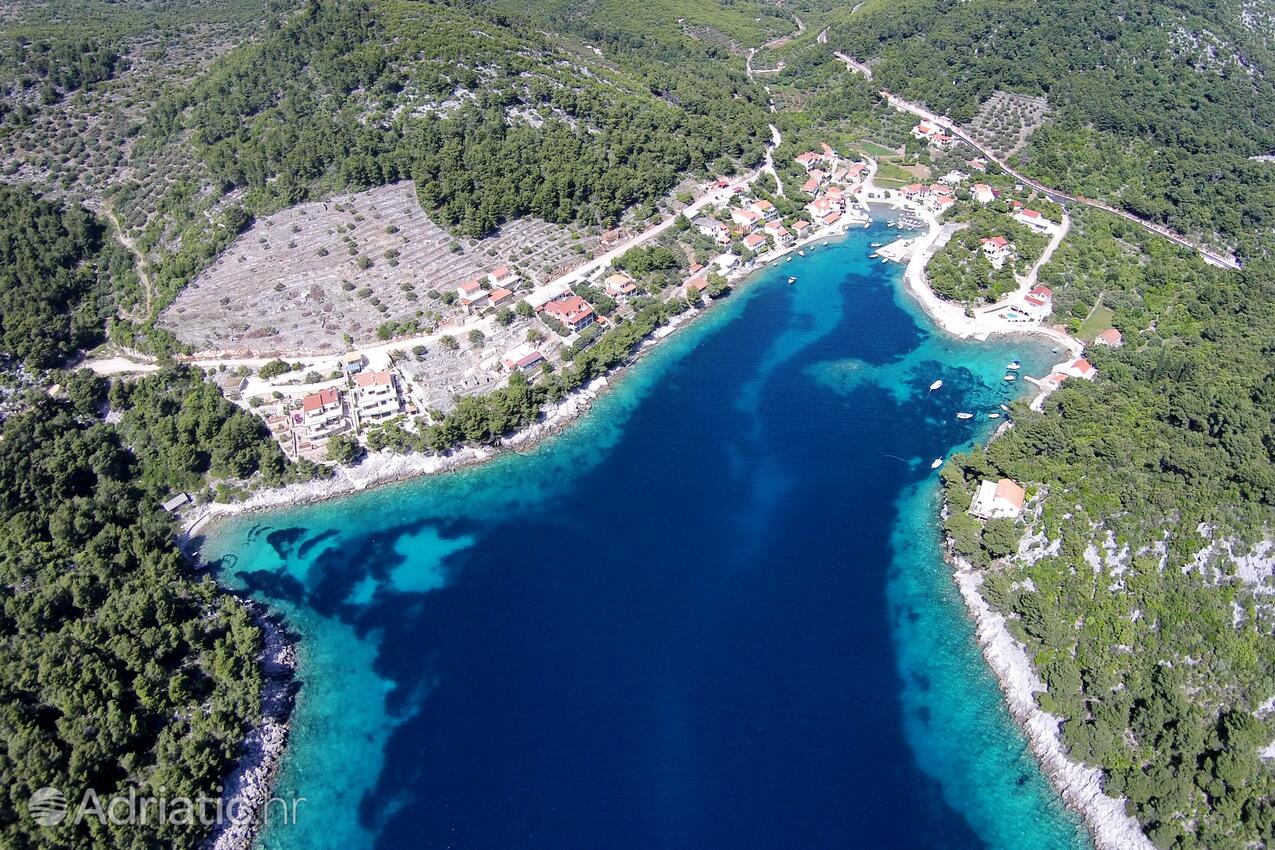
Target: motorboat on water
[(934, 386), (791, 281), (1005, 407), (993, 416), (938, 461), (801, 253), (964, 415), (876, 244), (1010, 378), (1014, 366)]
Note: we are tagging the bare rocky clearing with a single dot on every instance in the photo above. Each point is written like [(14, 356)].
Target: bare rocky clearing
[(301, 280)]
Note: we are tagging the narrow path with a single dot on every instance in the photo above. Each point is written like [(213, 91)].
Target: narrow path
[(139, 261), (1209, 254), (769, 167)]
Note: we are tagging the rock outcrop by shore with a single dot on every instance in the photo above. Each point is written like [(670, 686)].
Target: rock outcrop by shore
[(250, 784), (1079, 784)]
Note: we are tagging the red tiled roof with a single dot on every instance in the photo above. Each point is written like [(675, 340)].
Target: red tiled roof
[(372, 379), (322, 398)]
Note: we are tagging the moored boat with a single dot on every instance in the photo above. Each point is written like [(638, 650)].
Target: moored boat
[(934, 386), (993, 416), (964, 415), (938, 461)]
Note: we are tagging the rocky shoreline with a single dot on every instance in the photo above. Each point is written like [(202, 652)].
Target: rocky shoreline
[(1078, 784), (250, 784)]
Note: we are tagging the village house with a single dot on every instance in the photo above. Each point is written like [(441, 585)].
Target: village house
[(1001, 499), (353, 363), (323, 414), (376, 396), (942, 141), (1111, 338), (755, 242), (1034, 220), (502, 276), (745, 218), (808, 160), (816, 180), (912, 191), (801, 228), (572, 310), (830, 219), (713, 229), (978, 163), (499, 297), (924, 130), (471, 295), (997, 249), (697, 284), (780, 233), (1034, 306), (764, 208), (619, 285), (1078, 368), (983, 193), (522, 358)]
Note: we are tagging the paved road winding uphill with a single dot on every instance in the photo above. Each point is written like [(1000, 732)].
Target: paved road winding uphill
[(1210, 255)]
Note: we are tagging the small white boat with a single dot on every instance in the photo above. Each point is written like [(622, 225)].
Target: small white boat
[(938, 461), (874, 255), (1010, 378), (934, 386), (790, 259), (876, 244), (1053, 351), (1005, 407), (964, 415), (1014, 366), (792, 280), (884, 261), (825, 243), (993, 416)]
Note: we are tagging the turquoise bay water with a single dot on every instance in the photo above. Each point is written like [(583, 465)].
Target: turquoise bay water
[(712, 614)]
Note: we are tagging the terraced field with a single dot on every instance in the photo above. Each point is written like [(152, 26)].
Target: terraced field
[(306, 278)]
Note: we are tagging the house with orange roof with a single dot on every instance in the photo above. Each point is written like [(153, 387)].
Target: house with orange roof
[(502, 276), (376, 396), (499, 297), (780, 233), (1001, 499), (997, 249), (764, 208), (1078, 368), (471, 294), (755, 242), (983, 193), (572, 310), (745, 218), (522, 358), (323, 413), (1111, 338), (619, 285), (1034, 220)]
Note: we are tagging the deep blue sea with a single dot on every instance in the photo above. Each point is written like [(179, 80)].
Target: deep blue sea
[(712, 614)]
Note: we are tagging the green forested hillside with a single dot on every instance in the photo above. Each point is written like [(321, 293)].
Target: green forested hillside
[(1157, 658), (1159, 106), (491, 117)]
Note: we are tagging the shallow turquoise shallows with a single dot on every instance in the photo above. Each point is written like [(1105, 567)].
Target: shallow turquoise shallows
[(713, 614)]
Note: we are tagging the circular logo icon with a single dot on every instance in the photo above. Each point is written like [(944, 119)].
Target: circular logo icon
[(47, 806)]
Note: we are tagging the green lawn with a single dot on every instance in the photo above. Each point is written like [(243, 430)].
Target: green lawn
[(1098, 320), (873, 149)]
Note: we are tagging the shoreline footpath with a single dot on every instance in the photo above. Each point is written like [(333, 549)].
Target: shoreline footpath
[(1079, 785)]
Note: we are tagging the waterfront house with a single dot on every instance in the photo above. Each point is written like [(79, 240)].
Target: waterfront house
[(812, 185), (755, 242), (764, 208), (697, 284), (801, 228), (745, 218), (1078, 368), (1001, 499), (619, 285), (376, 396), (323, 413), (522, 358), (573, 311), (713, 229), (1111, 338), (780, 233), (997, 249), (830, 219)]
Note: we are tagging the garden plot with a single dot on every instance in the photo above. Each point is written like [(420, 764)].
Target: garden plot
[(1006, 120), (330, 275)]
